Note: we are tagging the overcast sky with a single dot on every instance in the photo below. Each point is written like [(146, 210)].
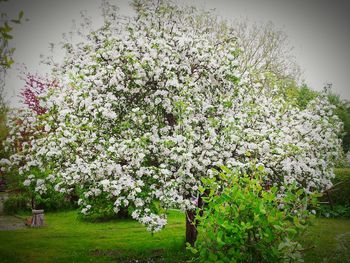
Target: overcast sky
[(318, 29)]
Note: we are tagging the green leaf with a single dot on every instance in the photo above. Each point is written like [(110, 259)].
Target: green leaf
[(299, 192), (6, 36), (20, 15), (291, 231), (261, 168), (190, 248), (201, 189), (16, 21), (278, 227), (219, 237)]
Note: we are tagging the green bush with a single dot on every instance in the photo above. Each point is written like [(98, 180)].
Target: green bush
[(17, 203), (339, 194), (23, 202), (243, 222), (334, 212), (54, 201)]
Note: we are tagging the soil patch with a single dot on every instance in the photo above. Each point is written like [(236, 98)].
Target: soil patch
[(11, 223)]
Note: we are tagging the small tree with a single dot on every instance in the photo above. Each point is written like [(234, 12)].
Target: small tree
[(149, 104), (6, 51), (246, 222)]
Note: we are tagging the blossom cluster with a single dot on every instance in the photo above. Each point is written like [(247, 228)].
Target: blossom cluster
[(148, 105), (36, 86)]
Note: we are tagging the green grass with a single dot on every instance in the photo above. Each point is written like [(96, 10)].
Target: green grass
[(69, 239), (328, 240)]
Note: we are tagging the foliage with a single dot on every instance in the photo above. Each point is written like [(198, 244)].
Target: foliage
[(146, 106), (326, 210), (6, 51), (22, 202), (342, 110), (244, 222), (27, 195), (302, 95), (5, 31), (339, 195), (17, 203)]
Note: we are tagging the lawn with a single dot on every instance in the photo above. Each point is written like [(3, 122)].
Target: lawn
[(330, 239), (68, 239)]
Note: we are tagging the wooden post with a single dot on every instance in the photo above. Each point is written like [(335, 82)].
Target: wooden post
[(38, 218), (329, 199)]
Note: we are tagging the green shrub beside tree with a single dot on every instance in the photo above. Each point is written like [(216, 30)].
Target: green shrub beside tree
[(249, 222)]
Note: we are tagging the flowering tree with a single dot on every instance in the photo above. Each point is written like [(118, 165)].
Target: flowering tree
[(148, 105)]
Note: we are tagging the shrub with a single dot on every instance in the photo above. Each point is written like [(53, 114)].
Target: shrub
[(341, 182), (17, 203), (340, 196), (335, 211), (54, 202), (22, 202), (244, 222)]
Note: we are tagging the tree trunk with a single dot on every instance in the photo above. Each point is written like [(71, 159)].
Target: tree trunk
[(192, 224), (191, 230)]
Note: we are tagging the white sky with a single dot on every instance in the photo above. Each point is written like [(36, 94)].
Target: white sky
[(318, 29)]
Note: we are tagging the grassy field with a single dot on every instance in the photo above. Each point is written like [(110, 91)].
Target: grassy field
[(328, 240), (68, 239)]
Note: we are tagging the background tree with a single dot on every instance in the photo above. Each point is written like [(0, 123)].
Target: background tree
[(265, 48), (6, 51), (342, 110), (301, 96)]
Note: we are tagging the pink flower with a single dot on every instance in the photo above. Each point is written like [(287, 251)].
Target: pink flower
[(33, 88)]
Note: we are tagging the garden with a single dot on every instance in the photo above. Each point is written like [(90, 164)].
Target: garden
[(164, 136)]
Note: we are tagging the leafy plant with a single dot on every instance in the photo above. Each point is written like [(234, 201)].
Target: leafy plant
[(342, 185), (335, 211), (249, 222), (17, 203), (340, 196)]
